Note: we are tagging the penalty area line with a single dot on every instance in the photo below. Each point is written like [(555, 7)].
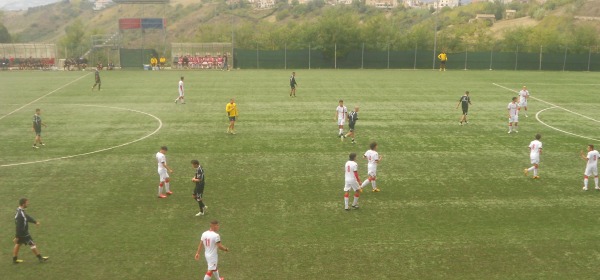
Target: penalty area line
[(537, 117), (160, 124), (39, 98)]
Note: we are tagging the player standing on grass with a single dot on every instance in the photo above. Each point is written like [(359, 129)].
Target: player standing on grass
[(37, 128), (97, 79), (293, 84), (523, 96), (591, 167), (211, 241), (465, 101), (163, 172), (22, 236), (199, 189), (341, 113), (513, 115), (443, 57), (351, 181), (352, 118), (181, 92), (373, 159), (232, 113), (535, 148)]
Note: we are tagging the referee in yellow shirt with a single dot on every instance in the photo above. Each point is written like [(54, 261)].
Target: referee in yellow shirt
[(232, 113)]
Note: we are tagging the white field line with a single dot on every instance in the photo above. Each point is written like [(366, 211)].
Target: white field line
[(559, 107), (101, 150), (59, 88)]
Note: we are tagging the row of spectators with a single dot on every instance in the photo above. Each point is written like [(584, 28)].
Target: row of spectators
[(201, 62), (27, 63)]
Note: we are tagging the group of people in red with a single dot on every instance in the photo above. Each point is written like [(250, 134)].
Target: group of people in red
[(30, 63), (201, 62)]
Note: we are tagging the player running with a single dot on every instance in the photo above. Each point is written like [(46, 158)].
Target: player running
[(373, 159), (535, 148)]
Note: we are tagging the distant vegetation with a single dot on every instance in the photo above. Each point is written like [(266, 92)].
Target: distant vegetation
[(295, 26)]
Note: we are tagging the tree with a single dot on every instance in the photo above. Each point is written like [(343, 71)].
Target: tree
[(4, 35), (73, 41)]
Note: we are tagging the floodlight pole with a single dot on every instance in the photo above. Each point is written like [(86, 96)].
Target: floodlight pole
[(437, 4)]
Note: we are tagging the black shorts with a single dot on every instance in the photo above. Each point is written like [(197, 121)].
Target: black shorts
[(443, 62), (27, 240), (465, 110), (231, 119), (351, 126), (293, 86), (199, 192), (38, 132)]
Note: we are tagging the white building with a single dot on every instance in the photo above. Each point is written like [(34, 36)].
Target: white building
[(101, 4)]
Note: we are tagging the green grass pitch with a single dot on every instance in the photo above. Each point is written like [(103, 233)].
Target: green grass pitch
[(454, 202)]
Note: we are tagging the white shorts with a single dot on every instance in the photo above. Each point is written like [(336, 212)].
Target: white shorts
[(372, 173), (163, 174), (523, 104), (513, 119), (180, 93), (212, 262), (591, 170), (341, 121), (535, 160), (351, 185)]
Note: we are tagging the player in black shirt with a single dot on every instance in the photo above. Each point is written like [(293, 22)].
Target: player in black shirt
[(97, 78), (352, 118), (293, 84), (37, 128), (199, 189), (22, 236), (465, 100)]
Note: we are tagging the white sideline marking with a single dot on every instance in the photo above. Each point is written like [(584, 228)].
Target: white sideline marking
[(557, 129), (555, 106), (101, 150), (59, 88)]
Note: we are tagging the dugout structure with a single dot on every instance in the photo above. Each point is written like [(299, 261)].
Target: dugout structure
[(195, 50), (141, 38), (32, 56)]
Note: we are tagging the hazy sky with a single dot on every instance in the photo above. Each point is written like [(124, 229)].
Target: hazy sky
[(23, 4)]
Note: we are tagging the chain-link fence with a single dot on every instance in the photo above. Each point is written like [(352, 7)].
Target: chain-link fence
[(334, 57)]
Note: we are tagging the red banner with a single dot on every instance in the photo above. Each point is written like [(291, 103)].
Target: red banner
[(130, 23)]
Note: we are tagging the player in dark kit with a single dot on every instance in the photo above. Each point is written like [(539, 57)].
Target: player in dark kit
[(465, 101), (293, 85), (199, 189), (352, 118), (37, 128), (97, 77), (22, 221)]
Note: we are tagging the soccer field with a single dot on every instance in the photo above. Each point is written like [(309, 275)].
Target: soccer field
[(454, 203)]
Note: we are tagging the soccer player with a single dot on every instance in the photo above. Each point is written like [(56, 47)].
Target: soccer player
[(293, 84), (352, 181), (97, 79), (513, 115), (373, 159), (341, 113), (465, 101), (232, 113), (199, 189), (535, 148), (181, 92), (37, 128), (22, 236), (352, 118), (211, 241), (443, 58), (523, 96), (592, 166), (163, 172)]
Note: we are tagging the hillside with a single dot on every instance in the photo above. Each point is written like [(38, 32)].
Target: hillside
[(193, 21)]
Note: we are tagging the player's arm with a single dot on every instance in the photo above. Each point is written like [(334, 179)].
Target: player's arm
[(221, 247), (356, 176), (583, 156), (458, 103), (167, 167), (379, 157), (197, 256)]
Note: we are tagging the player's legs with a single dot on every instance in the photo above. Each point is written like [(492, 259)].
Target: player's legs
[(341, 127), (163, 176), (232, 126), (16, 251), (515, 126), (168, 185), (509, 126)]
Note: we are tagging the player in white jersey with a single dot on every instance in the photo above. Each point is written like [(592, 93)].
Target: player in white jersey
[(592, 166), (341, 113), (373, 159), (352, 182), (535, 150), (523, 96), (211, 241), (513, 115), (181, 92), (163, 172)]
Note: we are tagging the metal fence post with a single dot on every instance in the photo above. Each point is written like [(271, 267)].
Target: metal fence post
[(388, 60), (257, 56), (362, 56), (491, 58), (517, 58), (589, 58), (466, 56), (285, 57), (335, 56), (565, 59), (541, 49), (415, 61), (308, 56)]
